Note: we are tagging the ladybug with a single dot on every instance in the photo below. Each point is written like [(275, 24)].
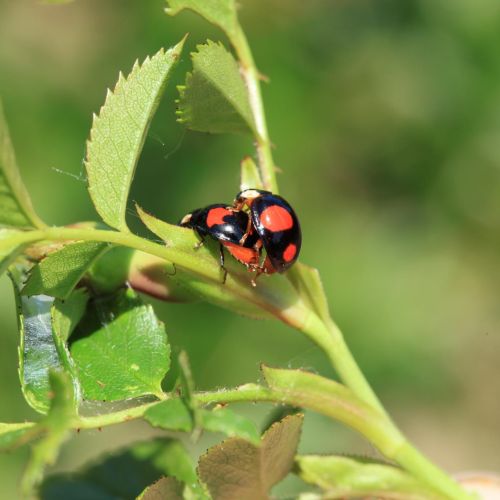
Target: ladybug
[(230, 228), (276, 224)]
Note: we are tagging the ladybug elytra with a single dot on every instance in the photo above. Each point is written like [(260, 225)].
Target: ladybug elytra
[(277, 225), (228, 227), (258, 219)]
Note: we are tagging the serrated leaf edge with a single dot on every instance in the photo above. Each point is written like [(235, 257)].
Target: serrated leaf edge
[(97, 118), (183, 115)]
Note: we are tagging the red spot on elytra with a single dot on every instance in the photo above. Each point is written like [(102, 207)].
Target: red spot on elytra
[(245, 255), (290, 252), (276, 218), (216, 216)]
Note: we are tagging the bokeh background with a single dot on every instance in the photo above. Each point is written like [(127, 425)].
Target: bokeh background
[(385, 117)]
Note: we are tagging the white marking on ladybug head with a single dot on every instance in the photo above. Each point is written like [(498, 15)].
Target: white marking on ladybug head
[(250, 194), (186, 219)]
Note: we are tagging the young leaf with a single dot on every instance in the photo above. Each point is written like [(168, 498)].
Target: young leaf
[(214, 98), (222, 13), (187, 386), (278, 413), (56, 426), (229, 423), (166, 488), (187, 381), (238, 469), (60, 271), (174, 415), (16, 209), (120, 349), (250, 176), (111, 271), (151, 275), (307, 282), (37, 351), (171, 415), (65, 316), (125, 474), (343, 477), (118, 134)]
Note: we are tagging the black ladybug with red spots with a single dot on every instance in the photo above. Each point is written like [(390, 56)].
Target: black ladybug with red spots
[(277, 225), (229, 227), (258, 219)]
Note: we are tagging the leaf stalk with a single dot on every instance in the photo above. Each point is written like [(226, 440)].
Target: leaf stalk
[(251, 76)]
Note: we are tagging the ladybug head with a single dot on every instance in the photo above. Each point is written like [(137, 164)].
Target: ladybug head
[(251, 194), (185, 221)]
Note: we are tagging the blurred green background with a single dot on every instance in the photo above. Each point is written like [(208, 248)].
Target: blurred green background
[(385, 117)]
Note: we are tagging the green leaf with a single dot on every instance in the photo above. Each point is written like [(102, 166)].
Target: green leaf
[(111, 271), (187, 381), (37, 351), (343, 477), (214, 98), (238, 469), (12, 435), (222, 13), (278, 413), (56, 426), (232, 424), (8, 250), (60, 271), (155, 276), (120, 349), (167, 488), (125, 474), (250, 176), (118, 134), (307, 282), (171, 415), (65, 316), (16, 209), (174, 415), (187, 387)]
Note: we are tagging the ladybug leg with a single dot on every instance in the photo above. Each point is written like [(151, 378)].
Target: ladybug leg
[(247, 232), (221, 257), (200, 243), (263, 268), (258, 271)]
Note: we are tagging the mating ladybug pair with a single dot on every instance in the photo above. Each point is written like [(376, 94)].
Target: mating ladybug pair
[(257, 220)]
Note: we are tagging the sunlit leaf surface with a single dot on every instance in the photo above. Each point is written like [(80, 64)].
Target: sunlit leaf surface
[(118, 134), (120, 348)]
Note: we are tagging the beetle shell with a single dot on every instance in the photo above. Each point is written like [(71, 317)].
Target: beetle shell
[(276, 224), (228, 226)]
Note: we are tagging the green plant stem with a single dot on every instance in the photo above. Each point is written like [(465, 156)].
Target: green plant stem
[(409, 458), (330, 339), (252, 80)]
